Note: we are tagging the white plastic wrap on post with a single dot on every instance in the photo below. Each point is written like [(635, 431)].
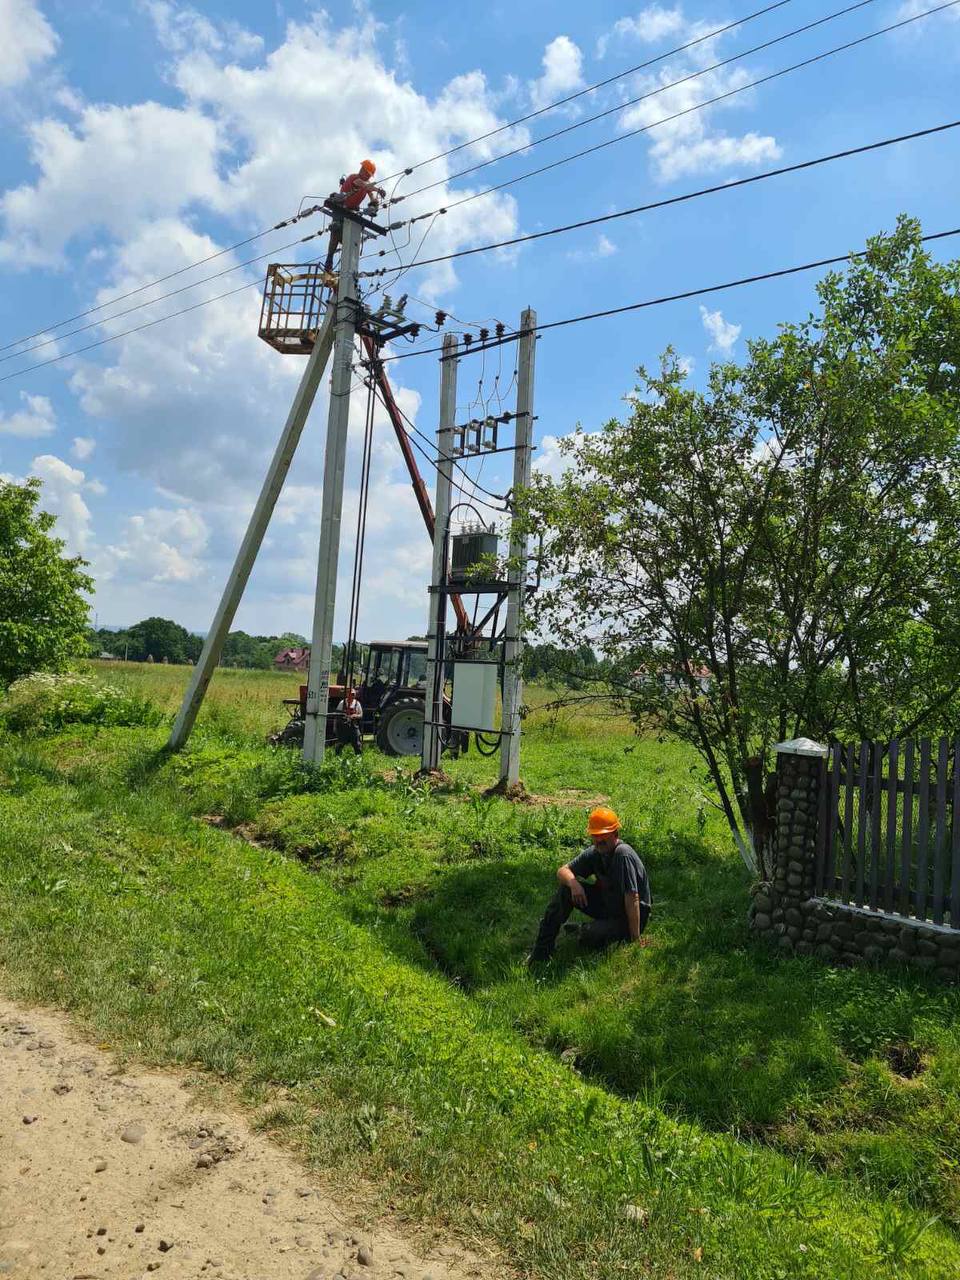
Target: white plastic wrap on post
[(270, 491), (513, 647), (436, 619), (334, 462)]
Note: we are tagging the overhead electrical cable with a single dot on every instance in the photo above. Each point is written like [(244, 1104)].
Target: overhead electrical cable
[(148, 302), (122, 297), (632, 102), (473, 350), (671, 200), (701, 291), (590, 88), (677, 115)]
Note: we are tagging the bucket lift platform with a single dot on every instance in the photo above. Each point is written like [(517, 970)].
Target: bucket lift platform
[(295, 296)]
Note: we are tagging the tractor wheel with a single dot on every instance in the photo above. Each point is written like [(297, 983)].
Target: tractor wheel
[(400, 732)]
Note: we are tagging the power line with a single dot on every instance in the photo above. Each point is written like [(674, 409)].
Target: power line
[(671, 200), (632, 102), (542, 328), (95, 324), (287, 222), (600, 84), (622, 137), (702, 291)]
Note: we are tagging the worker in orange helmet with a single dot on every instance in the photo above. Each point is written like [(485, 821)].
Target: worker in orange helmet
[(354, 189), (617, 900)]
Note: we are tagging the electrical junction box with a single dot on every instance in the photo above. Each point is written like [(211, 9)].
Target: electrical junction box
[(469, 547), (475, 686)]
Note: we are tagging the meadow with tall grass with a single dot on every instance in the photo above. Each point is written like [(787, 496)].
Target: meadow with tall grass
[(345, 946)]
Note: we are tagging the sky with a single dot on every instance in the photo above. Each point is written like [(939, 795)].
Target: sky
[(140, 136)]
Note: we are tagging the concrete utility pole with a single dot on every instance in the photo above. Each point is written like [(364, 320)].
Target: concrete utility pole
[(513, 645), (273, 483), (430, 758), (318, 680)]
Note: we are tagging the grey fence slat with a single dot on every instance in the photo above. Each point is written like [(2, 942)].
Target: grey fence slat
[(906, 843), (847, 829), (955, 860), (893, 774), (940, 847), (823, 802), (923, 829), (862, 823), (832, 789), (876, 817)]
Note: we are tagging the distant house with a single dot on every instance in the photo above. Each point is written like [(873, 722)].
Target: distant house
[(673, 679), (292, 659)]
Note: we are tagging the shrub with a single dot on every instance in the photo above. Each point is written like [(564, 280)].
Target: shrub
[(43, 703)]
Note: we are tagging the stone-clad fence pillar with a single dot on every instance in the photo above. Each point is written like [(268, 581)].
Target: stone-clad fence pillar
[(787, 909)]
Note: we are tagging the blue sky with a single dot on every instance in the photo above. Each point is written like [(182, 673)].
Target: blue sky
[(138, 137)]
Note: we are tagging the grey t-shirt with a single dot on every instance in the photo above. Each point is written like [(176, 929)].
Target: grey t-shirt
[(617, 873)]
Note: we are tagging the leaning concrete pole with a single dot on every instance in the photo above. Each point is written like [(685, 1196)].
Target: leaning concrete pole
[(334, 463), (517, 575), (433, 699), (272, 484)]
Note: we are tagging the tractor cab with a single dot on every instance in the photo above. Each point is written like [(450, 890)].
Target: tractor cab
[(392, 692)]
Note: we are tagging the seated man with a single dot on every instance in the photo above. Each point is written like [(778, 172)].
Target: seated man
[(618, 900), (349, 723)]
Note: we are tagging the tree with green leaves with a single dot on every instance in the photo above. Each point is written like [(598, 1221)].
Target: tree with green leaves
[(43, 614), (793, 531), (159, 639)]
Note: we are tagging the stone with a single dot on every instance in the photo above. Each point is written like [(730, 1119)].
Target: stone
[(843, 932), (762, 902), (924, 963), (873, 954), (863, 939), (794, 932), (898, 956), (908, 938), (61, 1088), (793, 916), (165, 1246), (927, 948), (205, 1161), (945, 974), (134, 1132), (785, 944), (139, 1228), (804, 947), (809, 935), (100, 1166), (825, 951), (824, 931), (761, 921), (365, 1256)]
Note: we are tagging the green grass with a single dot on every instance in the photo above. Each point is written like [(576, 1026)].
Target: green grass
[(787, 1119)]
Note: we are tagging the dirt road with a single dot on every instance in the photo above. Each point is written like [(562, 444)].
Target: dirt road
[(109, 1174)]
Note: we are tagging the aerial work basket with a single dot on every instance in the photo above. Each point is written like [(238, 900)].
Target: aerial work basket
[(295, 296)]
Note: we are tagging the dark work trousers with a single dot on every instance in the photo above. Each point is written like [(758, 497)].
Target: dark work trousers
[(336, 235), (602, 930), (349, 734)]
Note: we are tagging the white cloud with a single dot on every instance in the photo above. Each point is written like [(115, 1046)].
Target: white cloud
[(159, 545), (911, 8), (36, 419), (722, 333), (26, 39), (181, 29), (691, 143), (650, 25), (602, 248), (112, 169), (562, 72), (83, 447), (62, 496)]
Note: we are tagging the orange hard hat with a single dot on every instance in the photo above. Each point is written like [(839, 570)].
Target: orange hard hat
[(367, 166), (602, 822)]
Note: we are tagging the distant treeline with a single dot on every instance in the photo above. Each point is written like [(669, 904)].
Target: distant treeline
[(160, 640)]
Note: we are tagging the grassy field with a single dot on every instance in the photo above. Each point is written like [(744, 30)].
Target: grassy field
[(702, 1106)]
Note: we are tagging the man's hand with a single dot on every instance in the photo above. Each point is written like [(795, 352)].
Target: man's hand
[(577, 891), (631, 903)]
